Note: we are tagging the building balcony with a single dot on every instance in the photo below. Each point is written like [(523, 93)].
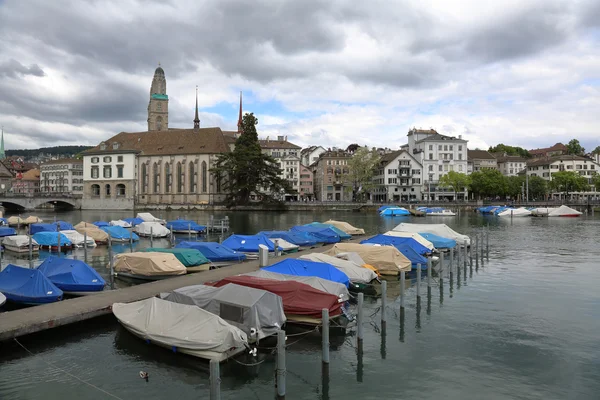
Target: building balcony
[(404, 175)]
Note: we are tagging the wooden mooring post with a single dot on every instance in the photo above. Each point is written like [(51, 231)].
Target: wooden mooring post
[(215, 380), (281, 368), (325, 352)]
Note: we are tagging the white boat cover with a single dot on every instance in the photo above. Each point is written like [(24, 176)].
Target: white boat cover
[(92, 231), (149, 264), (515, 212), (147, 217), (321, 284), (413, 235), (145, 228), (190, 329), (543, 210), (121, 223), (355, 273), (442, 213), (77, 238), (442, 230), (346, 227), (284, 244), (15, 220), (18, 241), (564, 211), (241, 306), (32, 219), (2, 299), (386, 259)]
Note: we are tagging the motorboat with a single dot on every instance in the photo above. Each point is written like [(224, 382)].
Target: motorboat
[(356, 274), (218, 254), (73, 277), (284, 245), (249, 244), (192, 259), (564, 211), (515, 212), (394, 212), (440, 243), (345, 227), (32, 219), (437, 212), (181, 328), (27, 286), (133, 221), (341, 233), (7, 231), (121, 223), (101, 224), (78, 240), (147, 217), (258, 313), (153, 229), (15, 221), (20, 244), (120, 234), (414, 235), (92, 231), (53, 241), (320, 234), (301, 239), (185, 226), (304, 267), (151, 266), (442, 230), (49, 227), (398, 242), (386, 259), (2, 299)]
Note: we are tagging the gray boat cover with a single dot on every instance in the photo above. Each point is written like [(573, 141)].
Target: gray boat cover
[(190, 329), (18, 241), (321, 284), (284, 244), (121, 223), (356, 273), (149, 264), (145, 228), (241, 306), (2, 299), (77, 238), (442, 230)]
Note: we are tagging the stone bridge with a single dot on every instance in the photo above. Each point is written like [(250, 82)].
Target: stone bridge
[(29, 202)]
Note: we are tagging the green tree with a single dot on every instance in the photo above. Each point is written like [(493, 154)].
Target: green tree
[(574, 147), (596, 150), (455, 180), (247, 170), (488, 182), (538, 187), (568, 181), (361, 168), (509, 150), (514, 186), (596, 181)]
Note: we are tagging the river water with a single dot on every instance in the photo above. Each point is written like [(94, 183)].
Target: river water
[(526, 325)]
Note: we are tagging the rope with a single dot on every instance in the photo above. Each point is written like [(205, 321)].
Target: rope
[(250, 365), (70, 374)]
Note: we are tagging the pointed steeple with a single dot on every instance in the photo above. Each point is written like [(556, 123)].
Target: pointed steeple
[(2, 155), (196, 119), (240, 130)]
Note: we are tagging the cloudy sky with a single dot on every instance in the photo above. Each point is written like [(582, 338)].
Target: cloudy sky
[(325, 72)]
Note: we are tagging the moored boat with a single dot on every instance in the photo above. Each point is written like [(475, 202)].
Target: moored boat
[(218, 254), (285, 246), (78, 240), (304, 267), (249, 244), (564, 211), (92, 231), (32, 219), (394, 212), (185, 226), (386, 259), (121, 223), (515, 212), (320, 234), (182, 328), (192, 259), (346, 227), (120, 234), (20, 244), (149, 266), (442, 230), (147, 217), (53, 241), (153, 229), (15, 221), (303, 240), (73, 277), (2, 299), (7, 231), (27, 286)]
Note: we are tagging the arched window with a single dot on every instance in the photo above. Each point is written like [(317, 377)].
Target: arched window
[(158, 123), (179, 178), (204, 176), (193, 176), (107, 190), (95, 190), (168, 178), (120, 190), (156, 178), (144, 178)]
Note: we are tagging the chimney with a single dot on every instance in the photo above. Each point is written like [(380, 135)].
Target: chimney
[(286, 138), (267, 139), (460, 136), (280, 138)]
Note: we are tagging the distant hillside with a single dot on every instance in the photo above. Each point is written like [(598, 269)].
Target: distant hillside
[(56, 150)]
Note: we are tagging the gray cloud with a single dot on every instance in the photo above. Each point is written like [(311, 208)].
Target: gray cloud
[(12, 69)]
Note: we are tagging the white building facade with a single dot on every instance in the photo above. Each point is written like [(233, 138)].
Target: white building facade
[(288, 156), (399, 178), (62, 176)]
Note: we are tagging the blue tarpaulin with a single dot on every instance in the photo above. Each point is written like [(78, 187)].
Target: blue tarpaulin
[(35, 228), (298, 238), (119, 233), (322, 235), (100, 224), (439, 242), (185, 225), (6, 231), (309, 268), (215, 252), (248, 243), (133, 221), (343, 235), (397, 241), (27, 286), (380, 209), (51, 239), (71, 275), (3, 222), (394, 212)]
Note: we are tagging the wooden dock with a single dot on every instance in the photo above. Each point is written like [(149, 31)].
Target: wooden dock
[(34, 319)]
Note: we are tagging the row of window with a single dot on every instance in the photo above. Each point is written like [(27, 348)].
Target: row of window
[(447, 156), (180, 178), (446, 147), (120, 188), (106, 171), (446, 168), (55, 167), (337, 162), (106, 159), (394, 181)]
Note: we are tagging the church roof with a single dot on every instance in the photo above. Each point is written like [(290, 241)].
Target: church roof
[(277, 144), (159, 71), (172, 142)]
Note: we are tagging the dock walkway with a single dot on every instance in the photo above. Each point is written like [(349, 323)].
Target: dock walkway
[(34, 319)]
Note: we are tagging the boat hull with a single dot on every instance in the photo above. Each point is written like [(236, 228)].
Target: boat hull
[(19, 249)]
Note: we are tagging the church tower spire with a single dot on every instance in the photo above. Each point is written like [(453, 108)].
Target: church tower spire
[(196, 119), (2, 155), (240, 130), (158, 107)]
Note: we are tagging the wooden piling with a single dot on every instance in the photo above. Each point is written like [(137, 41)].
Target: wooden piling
[(151, 237), (215, 380), (325, 339), (30, 249), (281, 368), (465, 249), (429, 271), (383, 302), (402, 289), (418, 280), (85, 257), (359, 322)]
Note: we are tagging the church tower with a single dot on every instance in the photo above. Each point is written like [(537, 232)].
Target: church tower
[(158, 107)]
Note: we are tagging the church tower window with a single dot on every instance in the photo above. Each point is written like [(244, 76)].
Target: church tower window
[(179, 178), (168, 178), (204, 176)]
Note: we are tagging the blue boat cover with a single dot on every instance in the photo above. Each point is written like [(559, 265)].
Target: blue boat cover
[(100, 224), (50, 227), (3, 221), (343, 235), (133, 221), (51, 239), (298, 238), (29, 286), (65, 226), (398, 241), (119, 233), (297, 267), (439, 242), (248, 243), (394, 211), (322, 235), (213, 251), (380, 209), (184, 225), (71, 275), (6, 231)]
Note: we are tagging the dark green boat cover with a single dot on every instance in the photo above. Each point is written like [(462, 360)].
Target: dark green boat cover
[(188, 257)]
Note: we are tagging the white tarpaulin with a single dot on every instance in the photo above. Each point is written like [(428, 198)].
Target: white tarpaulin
[(442, 230), (154, 228), (18, 241), (147, 217), (245, 307), (77, 238), (564, 211), (284, 244), (189, 329), (356, 273), (121, 223), (412, 235)]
